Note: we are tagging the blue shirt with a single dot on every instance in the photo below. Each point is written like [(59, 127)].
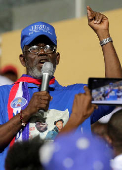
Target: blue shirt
[(62, 99)]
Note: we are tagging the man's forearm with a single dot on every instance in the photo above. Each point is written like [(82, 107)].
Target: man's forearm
[(82, 108), (9, 130), (112, 63), (72, 124)]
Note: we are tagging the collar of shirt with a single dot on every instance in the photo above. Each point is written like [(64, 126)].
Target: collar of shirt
[(56, 85)]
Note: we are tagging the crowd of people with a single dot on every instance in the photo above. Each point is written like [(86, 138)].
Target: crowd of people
[(63, 139)]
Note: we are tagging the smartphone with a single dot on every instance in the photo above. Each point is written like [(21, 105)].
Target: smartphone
[(106, 91)]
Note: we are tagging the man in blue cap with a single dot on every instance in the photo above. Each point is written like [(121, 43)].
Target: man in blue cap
[(19, 102)]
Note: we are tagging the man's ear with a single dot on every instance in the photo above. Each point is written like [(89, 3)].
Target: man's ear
[(58, 58), (22, 59)]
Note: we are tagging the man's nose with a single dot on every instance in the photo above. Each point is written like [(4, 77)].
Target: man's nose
[(41, 51)]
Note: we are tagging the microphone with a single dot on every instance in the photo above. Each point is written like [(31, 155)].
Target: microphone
[(47, 72)]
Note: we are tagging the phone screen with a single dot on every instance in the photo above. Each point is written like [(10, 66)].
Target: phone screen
[(106, 90)]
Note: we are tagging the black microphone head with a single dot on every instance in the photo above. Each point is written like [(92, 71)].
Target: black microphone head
[(48, 68)]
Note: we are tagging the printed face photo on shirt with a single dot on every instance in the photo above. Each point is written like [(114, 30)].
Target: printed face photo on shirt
[(41, 126), (59, 124), (55, 119)]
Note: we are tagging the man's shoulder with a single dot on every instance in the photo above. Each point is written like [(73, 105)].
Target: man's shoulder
[(77, 87), (73, 87)]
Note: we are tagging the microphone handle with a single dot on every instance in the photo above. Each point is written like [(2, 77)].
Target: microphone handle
[(44, 87), (45, 81)]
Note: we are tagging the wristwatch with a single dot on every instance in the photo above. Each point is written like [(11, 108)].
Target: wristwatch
[(105, 41)]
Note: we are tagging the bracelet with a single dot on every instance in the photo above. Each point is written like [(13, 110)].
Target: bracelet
[(105, 41), (21, 119)]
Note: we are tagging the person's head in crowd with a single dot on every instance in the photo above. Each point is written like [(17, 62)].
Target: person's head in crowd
[(115, 139), (39, 45), (76, 151), (115, 132), (100, 129), (24, 155), (10, 72)]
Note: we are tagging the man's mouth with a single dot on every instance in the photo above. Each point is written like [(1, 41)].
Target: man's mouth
[(43, 60)]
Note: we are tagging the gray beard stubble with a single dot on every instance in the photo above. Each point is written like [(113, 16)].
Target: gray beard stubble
[(33, 71)]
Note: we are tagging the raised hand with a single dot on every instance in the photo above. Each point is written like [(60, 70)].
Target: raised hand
[(98, 22), (82, 108)]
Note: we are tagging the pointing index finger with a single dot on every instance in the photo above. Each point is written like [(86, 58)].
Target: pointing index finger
[(90, 13), (87, 91)]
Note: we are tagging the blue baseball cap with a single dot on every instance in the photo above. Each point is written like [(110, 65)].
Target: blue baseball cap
[(36, 29)]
